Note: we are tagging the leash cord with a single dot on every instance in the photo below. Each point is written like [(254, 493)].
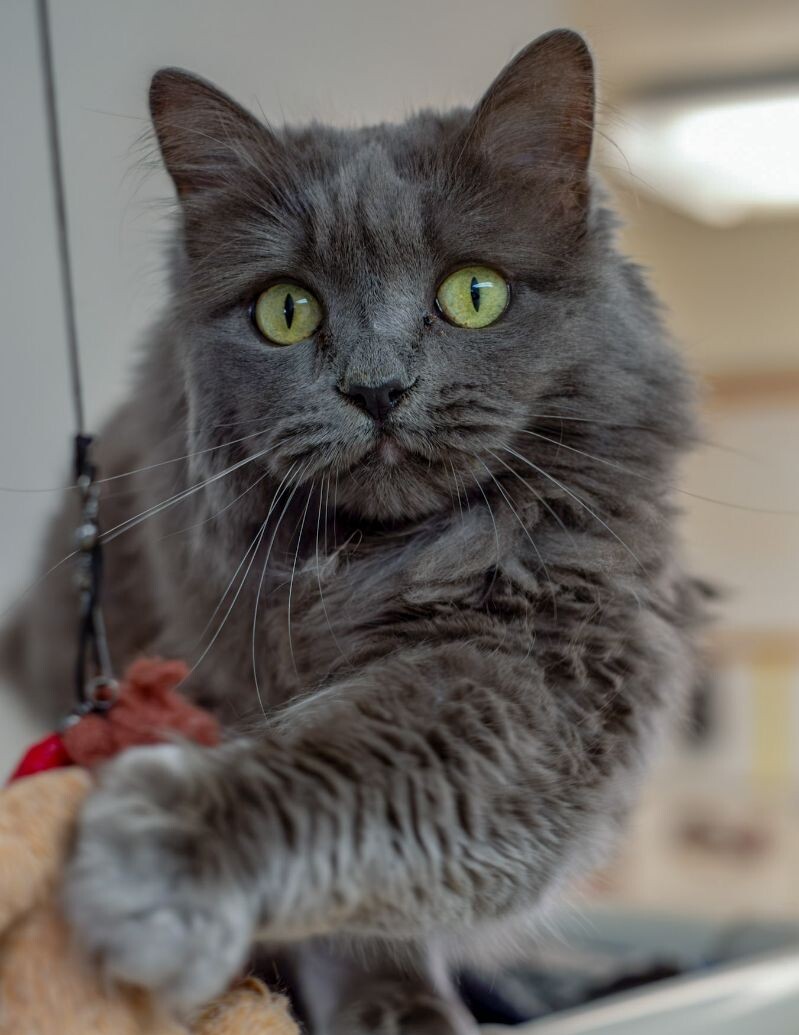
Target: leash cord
[(93, 652)]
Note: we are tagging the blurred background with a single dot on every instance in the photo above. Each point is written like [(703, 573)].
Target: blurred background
[(699, 122)]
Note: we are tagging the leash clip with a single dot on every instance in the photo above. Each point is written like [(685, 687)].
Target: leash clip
[(97, 691)]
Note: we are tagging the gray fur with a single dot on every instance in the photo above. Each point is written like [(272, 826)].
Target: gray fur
[(465, 645)]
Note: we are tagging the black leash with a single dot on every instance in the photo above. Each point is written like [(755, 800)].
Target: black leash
[(95, 686)]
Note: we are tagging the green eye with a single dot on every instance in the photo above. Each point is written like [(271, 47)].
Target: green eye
[(475, 296), (287, 313)]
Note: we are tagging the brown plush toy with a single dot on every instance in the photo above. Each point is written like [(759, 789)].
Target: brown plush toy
[(46, 986), (147, 709)]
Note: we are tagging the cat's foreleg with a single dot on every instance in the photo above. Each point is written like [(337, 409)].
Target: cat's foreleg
[(421, 797)]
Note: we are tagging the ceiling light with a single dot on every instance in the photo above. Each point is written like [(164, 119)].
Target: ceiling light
[(721, 158)]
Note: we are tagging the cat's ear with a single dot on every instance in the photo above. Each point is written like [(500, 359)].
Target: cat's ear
[(205, 137), (536, 119)]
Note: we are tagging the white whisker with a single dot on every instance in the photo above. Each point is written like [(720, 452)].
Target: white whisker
[(577, 499), (645, 477), (124, 526), (128, 523), (327, 501), (335, 511), (227, 506), (457, 488), (535, 492), (318, 566), (177, 459), (493, 522), (37, 582), (526, 532), (138, 470), (496, 566), (254, 547), (300, 473), (293, 572), (269, 512)]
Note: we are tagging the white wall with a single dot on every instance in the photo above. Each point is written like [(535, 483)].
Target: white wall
[(34, 410), (748, 540)]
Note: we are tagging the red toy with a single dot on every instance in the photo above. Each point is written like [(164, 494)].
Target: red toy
[(147, 710)]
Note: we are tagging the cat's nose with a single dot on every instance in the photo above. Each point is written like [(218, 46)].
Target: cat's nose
[(376, 400)]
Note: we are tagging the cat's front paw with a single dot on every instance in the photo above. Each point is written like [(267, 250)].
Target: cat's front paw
[(150, 891)]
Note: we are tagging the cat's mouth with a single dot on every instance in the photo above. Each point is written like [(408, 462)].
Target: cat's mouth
[(388, 454), (383, 455), (394, 475)]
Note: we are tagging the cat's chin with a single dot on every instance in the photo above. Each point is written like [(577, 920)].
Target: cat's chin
[(389, 484), (382, 454), (388, 451)]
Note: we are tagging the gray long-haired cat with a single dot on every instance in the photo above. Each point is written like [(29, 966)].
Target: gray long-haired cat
[(418, 540)]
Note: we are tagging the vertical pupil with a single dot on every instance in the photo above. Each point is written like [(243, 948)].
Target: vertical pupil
[(474, 289), (288, 310)]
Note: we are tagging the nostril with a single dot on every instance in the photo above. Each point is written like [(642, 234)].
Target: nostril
[(377, 400)]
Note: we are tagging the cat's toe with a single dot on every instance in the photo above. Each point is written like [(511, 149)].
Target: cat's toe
[(138, 892)]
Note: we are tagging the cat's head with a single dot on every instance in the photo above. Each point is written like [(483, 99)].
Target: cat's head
[(394, 304)]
